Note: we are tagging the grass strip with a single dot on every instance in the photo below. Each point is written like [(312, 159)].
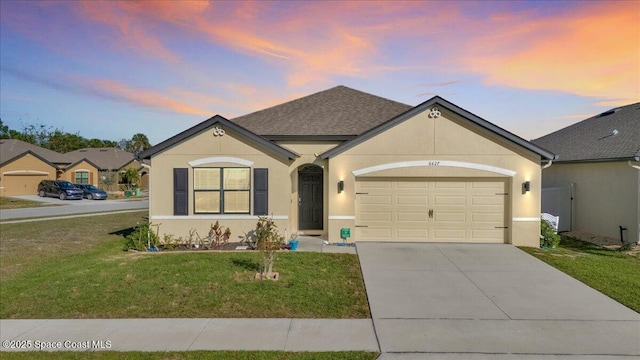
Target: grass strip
[(611, 272)]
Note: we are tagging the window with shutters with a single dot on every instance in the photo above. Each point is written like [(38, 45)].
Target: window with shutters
[(222, 190)]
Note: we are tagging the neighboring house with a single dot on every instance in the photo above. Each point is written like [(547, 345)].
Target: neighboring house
[(24, 165), (108, 162), (598, 163), (343, 159)]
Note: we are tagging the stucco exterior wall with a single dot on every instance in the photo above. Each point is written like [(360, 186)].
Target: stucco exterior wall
[(451, 148), (70, 173), (607, 195), (200, 148), (22, 176), (447, 147)]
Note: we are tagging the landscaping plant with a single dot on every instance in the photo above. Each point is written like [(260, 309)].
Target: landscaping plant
[(268, 241), (550, 238), (143, 238), (217, 236)]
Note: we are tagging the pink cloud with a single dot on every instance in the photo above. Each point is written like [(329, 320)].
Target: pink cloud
[(155, 99), (590, 51)]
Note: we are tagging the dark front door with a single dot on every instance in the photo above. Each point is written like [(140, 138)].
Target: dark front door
[(310, 198)]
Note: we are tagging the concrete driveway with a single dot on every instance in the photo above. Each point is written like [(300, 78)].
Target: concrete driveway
[(481, 301)]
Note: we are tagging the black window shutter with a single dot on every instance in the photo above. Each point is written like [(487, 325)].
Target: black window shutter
[(180, 191), (260, 191)]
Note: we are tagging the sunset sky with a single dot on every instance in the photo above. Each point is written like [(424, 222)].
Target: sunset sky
[(111, 69)]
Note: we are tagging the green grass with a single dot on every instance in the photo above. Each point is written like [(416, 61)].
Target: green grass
[(76, 268), (611, 272), (7, 203), (194, 355)]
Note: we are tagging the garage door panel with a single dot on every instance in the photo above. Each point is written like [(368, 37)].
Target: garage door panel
[(493, 218), (412, 216), (450, 200), (376, 200), (450, 216), (376, 216), (488, 185), (462, 211), (449, 234), (374, 185), (487, 235), (412, 185), (412, 200), (383, 234), (487, 200), (446, 185), (413, 234)]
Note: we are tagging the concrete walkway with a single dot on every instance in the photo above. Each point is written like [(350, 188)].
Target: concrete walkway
[(477, 301), (190, 334)]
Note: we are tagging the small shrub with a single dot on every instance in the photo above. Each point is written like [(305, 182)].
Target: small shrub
[(142, 238), (550, 238), (216, 236)]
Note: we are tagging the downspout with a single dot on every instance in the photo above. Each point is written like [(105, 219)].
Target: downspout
[(547, 164), (636, 158)]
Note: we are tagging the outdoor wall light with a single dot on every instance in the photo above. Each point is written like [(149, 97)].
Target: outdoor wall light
[(526, 186), (340, 186)]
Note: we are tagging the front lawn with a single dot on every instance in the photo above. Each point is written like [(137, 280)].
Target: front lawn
[(611, 272), (75, 268)]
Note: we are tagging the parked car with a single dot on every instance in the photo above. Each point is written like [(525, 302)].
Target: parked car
[(59, 188), (91, 192)]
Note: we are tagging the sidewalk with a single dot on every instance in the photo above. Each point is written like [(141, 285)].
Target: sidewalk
[(189, 334)]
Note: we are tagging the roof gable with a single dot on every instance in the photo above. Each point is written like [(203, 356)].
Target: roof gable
[(11, 149), (102, 158), (444, 104), (210, 123), (76, 163), (339, 111), (612, 135)]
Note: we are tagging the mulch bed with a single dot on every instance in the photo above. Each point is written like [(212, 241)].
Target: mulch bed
[(185, 247)]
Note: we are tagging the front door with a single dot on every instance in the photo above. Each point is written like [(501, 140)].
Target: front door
[(310, 198)]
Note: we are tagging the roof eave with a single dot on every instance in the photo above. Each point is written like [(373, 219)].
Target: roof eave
[(309, 137), (615, 159), (33, 154), (217, 119)]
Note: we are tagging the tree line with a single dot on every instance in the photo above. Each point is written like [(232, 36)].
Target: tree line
[(63, 142)]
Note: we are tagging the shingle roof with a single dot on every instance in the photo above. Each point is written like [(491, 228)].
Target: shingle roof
[(337, 111), (612, 135), (103, 158), (11, 148)]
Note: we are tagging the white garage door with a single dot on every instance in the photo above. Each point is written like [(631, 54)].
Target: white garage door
[(427, 210)]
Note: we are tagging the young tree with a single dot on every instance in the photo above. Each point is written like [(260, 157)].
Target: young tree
[(269, 241), (132, 177)]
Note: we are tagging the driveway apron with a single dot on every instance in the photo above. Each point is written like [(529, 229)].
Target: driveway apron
[(467, 300)]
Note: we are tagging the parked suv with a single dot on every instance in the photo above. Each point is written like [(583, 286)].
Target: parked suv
[(59, 188)]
